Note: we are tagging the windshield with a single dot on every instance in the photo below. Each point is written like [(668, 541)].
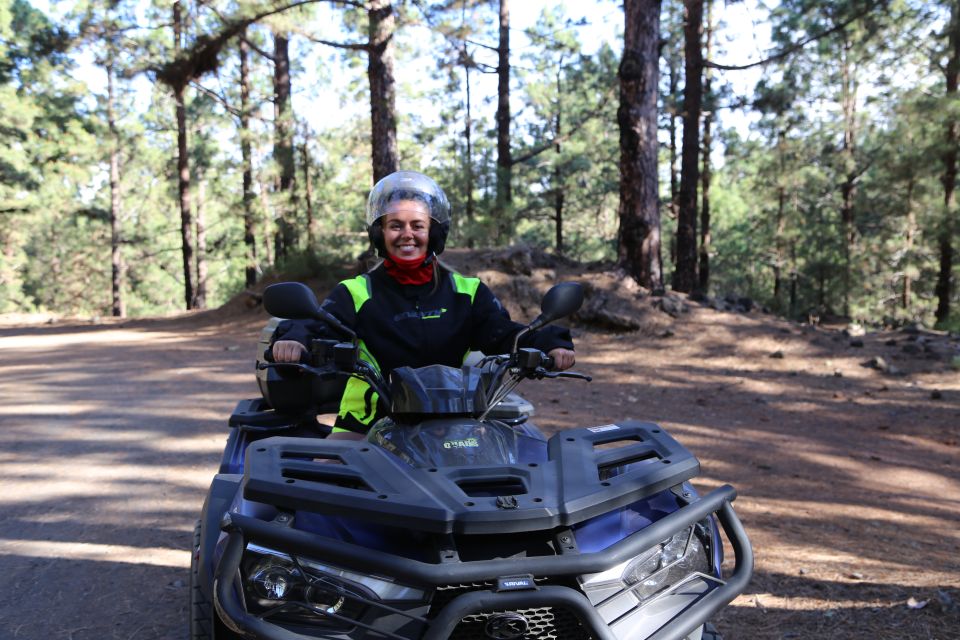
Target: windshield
[(448, 442), (436, 390)]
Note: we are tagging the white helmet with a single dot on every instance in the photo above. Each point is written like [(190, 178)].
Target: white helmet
[(409, 185)]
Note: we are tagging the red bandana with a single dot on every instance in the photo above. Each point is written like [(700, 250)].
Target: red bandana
[(415, 271)]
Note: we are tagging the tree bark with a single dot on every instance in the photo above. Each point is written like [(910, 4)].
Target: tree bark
[(794, 278), (674, 83), (246, 154), (118, 309), (780, 221), (638, 239), (183, 173), (201, 297), (685, 273), (949, 178), (267, 226), (283, 147), (848, 189), (559, 194), (383, 119), (908, 234), (468, 137), (706, 174), (308, 194), (503, 209)]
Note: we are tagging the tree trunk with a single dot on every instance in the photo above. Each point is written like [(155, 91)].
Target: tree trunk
[(183, 173), (246, 153), (267, 227), (118, 309), (685, 274), (201, 298), (674, 156), (794, 279), (308, 193), (468, 136), (503, 209), (674, 82), (778, 259), (945, 240), (638, 241), (706, 174), (383, 118), (558, 182), (705, 238), (848, 189), (283, 147), (908, 245)]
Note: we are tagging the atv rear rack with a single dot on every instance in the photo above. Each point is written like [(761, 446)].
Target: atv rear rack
[(580, 480)]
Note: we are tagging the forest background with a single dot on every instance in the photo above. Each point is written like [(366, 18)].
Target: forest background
[(227, 140)]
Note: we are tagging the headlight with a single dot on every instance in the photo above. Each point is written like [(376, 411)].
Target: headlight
[(666, 564), (276, 580), (625, 586), (272, 579), (293, 589)]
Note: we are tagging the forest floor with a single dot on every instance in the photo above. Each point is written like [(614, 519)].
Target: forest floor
[(842, 447)]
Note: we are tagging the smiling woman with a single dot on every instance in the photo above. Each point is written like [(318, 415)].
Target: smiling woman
[(412, 311), (406, 230)]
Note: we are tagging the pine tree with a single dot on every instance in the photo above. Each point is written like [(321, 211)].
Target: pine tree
[(639, 213)]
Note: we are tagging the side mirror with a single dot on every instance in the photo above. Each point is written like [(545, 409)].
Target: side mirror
[(562, 300), (295, 300), (292, 300)]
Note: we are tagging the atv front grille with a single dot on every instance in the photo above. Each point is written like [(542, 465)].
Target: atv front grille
[(542, 623)]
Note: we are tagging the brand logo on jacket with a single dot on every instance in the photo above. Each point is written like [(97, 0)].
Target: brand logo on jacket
[(431, 314), (506, 626)]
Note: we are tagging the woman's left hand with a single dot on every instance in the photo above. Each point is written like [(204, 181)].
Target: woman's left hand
[(562, 358)]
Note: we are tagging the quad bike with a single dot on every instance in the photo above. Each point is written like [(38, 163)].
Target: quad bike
[(455, 517)]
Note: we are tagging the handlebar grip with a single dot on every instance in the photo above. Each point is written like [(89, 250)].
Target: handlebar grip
[(303, 359), (548, 363)]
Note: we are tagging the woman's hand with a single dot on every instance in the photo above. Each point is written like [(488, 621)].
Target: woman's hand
[(562, 358), (287, 351)]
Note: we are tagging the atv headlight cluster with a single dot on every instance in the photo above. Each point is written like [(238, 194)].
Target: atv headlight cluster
[(666, 564), (294, 589), (628, 584), (274, 581)]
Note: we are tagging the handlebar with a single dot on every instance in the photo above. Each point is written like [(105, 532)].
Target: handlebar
[(533, 363), (268, 357), (343, 360)]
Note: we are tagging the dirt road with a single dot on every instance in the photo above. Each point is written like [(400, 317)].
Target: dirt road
[(109, 440), (849, 478)]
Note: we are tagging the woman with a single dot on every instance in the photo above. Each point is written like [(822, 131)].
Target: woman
[(411, 310)]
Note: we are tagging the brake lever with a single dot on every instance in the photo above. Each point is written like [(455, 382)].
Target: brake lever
[(566, 374), (296, 365)]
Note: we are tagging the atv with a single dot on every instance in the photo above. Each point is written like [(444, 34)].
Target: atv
[(455, 517)]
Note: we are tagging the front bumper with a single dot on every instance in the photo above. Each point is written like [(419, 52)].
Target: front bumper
[(697, 610)]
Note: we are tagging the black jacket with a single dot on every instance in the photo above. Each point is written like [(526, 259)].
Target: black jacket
[(418, 325)]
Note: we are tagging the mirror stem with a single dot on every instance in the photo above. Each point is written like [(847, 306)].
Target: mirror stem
[(533, 326), (516, 338)]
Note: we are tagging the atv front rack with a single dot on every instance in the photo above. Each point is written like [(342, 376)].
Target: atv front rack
[(242, 530), (580, 480)]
